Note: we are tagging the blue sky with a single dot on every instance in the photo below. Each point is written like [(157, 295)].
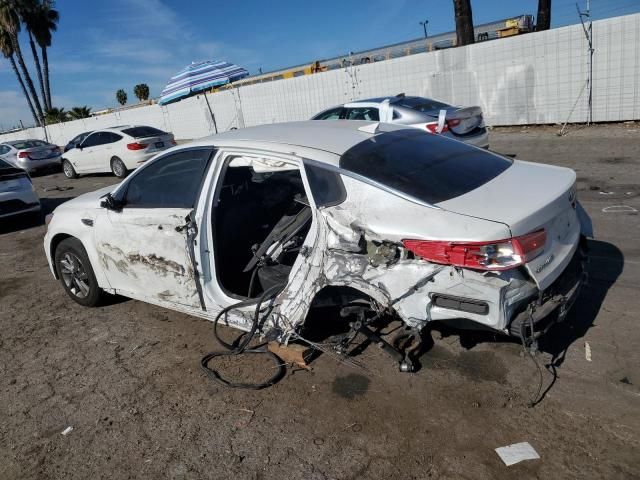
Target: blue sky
[(102, 46)]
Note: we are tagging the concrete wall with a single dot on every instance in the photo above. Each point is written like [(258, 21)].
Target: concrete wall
[(527, 79)]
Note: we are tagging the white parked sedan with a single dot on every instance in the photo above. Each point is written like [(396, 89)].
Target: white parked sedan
[(423, 227), (118, 150), (17, 193)]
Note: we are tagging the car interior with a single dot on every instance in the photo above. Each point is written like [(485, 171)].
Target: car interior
[(260, 219)]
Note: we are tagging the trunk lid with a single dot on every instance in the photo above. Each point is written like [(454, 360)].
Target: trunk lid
[(157, 143), (40, 153), (528, 197), (461, 121)]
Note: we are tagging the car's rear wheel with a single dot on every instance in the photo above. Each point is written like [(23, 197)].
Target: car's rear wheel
[(118, 167), (76, 274), (68, 169)]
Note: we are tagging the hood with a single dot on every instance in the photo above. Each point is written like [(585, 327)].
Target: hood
[(87, 200)]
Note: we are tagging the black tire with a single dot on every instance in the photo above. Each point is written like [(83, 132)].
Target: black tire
[(118, 168), (76, 274), (68, 169)]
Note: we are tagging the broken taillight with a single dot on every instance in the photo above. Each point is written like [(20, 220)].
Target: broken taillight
[(493, 255), (137, 146)]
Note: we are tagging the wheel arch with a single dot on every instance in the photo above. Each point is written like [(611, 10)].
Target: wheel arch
[(53, 246)]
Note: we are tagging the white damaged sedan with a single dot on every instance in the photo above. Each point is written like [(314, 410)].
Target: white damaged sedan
[(421, 227)]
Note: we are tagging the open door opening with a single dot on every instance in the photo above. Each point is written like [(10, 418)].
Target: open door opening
[(260, 219)]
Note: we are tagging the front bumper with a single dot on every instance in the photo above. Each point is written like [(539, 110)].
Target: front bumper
[(554, 303)]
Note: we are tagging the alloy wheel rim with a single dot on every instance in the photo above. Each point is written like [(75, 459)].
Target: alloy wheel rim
[(74, 275), (117, 168), (67, 169)]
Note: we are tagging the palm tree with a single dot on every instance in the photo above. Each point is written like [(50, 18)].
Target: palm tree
[(544, 15), (6, 47), (41, 20), (26, 10), (79, 112), (464, 22), (141, 91), (56, 115), (10, 22), (121, 96)]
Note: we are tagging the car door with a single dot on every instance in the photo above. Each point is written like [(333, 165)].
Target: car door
[(82, 157), (101, 152), (146, 243)]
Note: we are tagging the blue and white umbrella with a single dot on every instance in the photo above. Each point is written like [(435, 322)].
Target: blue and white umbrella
[(200, 76)]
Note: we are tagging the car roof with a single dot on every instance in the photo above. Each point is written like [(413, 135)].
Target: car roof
[(335, 136)]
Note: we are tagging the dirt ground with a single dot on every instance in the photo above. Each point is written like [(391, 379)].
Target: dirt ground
[(126, 376)]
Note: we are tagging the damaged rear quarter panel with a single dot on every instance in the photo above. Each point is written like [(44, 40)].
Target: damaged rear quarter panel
[(341, 256)]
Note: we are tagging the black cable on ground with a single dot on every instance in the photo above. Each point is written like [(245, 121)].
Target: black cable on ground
[(534, 400), (239, 346)]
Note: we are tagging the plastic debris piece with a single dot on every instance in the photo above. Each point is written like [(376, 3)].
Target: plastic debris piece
[(66, 431), (516, 453), (587, 351)]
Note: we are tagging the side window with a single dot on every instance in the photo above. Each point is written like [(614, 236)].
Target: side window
[(333, 114), (169, 182), (110, 137), (363, 113), (326, 185), (4, 149), (91, 140)]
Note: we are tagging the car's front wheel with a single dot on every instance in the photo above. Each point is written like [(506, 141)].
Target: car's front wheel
[(68, 169), (118, 167), (76, 274)]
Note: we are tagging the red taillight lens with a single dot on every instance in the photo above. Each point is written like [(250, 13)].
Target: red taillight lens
[(453, 122), (137, 146), (433, 127), (532, 244), (173, 142), (23, 154), (494, 255)]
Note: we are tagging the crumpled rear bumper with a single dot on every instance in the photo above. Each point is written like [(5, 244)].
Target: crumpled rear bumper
[(553, 305)]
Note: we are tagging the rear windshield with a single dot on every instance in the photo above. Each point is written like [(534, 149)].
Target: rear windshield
[(424, 166), (138, 132), (422, 104), (28, 144)]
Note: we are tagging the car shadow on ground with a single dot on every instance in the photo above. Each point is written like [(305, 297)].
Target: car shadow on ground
[(26, 221)]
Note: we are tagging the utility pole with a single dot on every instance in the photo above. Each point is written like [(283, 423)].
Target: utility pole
[(424, 25), (588, 32)]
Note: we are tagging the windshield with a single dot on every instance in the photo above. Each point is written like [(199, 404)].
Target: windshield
[(424, 166)]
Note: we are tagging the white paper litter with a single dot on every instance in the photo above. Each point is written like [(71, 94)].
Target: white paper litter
[(512, 454), (66, 431), (587, 351)]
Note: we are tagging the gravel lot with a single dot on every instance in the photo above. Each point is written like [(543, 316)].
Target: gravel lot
[(126, 376)]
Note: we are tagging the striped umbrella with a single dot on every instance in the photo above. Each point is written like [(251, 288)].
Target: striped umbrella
[(200, 76)]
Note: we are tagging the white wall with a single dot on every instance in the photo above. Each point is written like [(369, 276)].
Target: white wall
[(526, 79)]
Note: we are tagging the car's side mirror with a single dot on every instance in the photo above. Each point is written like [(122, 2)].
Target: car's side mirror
[(111, 203)]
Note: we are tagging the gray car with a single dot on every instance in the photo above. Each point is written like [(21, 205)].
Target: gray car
[(31, 155), (461, 123), (17, 194)]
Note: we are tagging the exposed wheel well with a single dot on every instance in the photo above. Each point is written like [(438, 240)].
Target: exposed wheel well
[(55, 241), (337, 296)]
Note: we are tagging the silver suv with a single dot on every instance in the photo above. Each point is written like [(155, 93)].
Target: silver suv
[(461, 123)]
